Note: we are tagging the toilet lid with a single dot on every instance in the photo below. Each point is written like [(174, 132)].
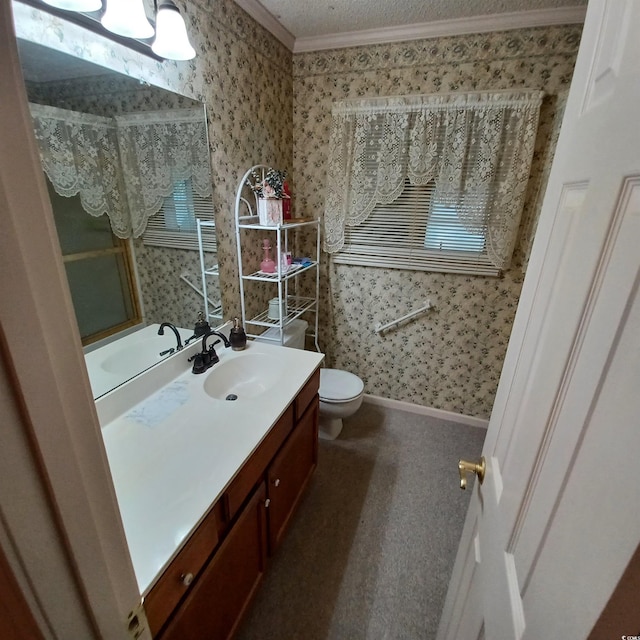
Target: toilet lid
[(339, 386)]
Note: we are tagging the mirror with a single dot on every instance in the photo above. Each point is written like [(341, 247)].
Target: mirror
[(120, 286)]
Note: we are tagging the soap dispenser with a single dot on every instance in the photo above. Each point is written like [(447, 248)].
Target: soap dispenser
[(202, 326), (237, 336)]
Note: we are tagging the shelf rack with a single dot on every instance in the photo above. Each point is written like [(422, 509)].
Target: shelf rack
[(212, 311), (296, 305)]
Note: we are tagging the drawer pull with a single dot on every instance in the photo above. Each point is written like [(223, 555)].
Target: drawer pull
[(267, 502), (276, 482), (186, 579)]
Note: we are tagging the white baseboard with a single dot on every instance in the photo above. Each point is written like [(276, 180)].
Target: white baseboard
[(427, 411)]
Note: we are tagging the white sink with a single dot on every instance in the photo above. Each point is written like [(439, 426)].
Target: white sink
[(243, 377)]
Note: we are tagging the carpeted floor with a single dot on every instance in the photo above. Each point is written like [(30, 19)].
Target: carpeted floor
[(370, 551)]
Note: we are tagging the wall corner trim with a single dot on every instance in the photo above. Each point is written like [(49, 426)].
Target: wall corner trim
[(268, 21)]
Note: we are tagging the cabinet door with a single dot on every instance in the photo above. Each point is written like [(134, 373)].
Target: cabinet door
[(217, 602), (290, 472)]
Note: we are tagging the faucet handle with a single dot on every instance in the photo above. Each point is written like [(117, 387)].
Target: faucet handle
[(199, 365)]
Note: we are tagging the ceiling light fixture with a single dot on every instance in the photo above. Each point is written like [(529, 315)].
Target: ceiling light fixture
[(118, 19), (127, 18), (172, 40)]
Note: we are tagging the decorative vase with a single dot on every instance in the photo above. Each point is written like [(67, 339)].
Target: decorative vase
[(270, 211), (267, 265)]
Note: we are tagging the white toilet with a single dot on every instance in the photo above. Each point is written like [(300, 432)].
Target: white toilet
[(341, 395), (341, 392)]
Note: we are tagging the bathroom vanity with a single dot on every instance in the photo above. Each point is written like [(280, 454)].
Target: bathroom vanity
[(206, 486)]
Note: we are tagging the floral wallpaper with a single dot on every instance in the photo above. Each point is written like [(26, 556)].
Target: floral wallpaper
[(451, 357), (268, 106)]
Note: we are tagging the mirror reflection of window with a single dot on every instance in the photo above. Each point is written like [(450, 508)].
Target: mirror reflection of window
[(178, 209), (99, 270), (175, 224)]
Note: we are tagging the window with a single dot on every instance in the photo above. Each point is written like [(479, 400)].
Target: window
[(415, 232), (99, 270), (175, 224), (434, 182), (445, 232)]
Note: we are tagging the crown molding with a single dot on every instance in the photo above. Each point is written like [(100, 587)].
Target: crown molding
[(441, 28), (266, 19)]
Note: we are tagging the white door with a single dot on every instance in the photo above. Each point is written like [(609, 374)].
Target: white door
[(556, 521)]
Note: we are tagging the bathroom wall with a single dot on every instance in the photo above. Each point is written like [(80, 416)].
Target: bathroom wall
[(263, 102), (450, 358)]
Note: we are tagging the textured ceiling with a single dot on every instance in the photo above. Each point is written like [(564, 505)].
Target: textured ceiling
[(312, 18)]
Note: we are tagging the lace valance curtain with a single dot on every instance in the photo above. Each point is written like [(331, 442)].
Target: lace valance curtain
[(125, 166), (157, 150), (475, 147), (79, 154)]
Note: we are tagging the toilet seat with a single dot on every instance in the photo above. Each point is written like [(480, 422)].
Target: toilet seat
[(338, 386)]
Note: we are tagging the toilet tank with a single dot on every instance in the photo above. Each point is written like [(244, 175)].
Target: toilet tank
[(293, 334)]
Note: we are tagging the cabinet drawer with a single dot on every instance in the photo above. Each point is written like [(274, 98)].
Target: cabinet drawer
[(307, 394), (252, 471), (174, 582)]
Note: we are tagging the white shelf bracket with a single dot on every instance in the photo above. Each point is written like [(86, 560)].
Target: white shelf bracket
[(184, 278)]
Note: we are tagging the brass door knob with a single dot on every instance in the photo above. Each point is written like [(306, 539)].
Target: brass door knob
[(471, 467)]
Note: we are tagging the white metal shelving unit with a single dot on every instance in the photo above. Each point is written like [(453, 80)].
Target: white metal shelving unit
[(286, 281), (212, 310)]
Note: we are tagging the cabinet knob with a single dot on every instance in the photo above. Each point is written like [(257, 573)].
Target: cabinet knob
[(186, 579), (267, 502), (276, 482)]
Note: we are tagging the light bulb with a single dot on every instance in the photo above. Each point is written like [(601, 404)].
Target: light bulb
[(76, 5), (127, 18), (172, 40)]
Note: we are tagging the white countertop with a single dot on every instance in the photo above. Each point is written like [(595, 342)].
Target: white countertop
[(173, 449)]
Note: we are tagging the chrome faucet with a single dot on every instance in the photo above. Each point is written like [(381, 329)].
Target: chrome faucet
[(175, 331)]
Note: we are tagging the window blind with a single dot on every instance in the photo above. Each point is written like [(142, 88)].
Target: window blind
[(174, 225), (415, 232)]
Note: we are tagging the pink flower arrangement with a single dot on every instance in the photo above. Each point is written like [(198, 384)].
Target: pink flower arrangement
[(271, 186)]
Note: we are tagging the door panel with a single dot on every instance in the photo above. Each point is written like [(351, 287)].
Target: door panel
[(555, 530)]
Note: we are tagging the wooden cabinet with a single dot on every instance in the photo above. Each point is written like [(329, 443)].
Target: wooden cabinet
[(208, 586), (214, 608), (180, 574), (254, 468)]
